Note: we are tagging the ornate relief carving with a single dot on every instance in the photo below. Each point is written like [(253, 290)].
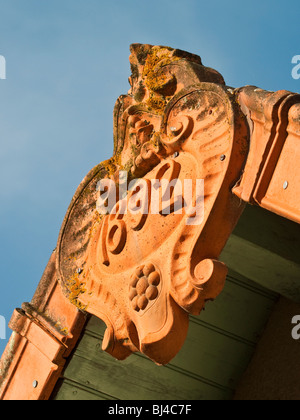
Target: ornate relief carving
[(142, 272), (145, 286)]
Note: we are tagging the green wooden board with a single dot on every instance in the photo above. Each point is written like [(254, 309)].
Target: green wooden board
[(75, 391), (265, 248), (139, 379), (239, 310)]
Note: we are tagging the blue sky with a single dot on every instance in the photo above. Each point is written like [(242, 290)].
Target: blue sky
[(67, 62)]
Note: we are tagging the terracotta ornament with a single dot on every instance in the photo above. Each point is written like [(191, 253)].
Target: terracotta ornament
[(140, 242), (272, 171), (144, 272)]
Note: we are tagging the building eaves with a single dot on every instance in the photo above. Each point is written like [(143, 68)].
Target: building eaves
[(45, 332)]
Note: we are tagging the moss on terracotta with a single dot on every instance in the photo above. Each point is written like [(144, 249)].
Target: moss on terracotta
[(154, 79), (76, 287)]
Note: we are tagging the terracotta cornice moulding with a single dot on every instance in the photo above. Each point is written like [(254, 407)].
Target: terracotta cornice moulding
[(144, 274), (272, 171), (45, 332)]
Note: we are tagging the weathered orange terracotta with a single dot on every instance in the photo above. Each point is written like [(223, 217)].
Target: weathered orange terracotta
[(143, 274), (271, 176), (44, 334)]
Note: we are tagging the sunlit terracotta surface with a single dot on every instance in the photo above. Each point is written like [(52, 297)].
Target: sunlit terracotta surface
[(178, 121), (271, 176), (144, 274)]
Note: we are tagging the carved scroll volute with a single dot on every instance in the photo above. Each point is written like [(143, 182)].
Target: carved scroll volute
[(144, 272)]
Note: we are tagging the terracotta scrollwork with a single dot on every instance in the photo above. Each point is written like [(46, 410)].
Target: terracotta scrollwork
[(145, 270)]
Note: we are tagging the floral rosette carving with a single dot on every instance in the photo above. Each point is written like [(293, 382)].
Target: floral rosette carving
[(144, 287)]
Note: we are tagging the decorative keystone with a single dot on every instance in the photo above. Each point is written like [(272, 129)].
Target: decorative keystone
[(143, 273)]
